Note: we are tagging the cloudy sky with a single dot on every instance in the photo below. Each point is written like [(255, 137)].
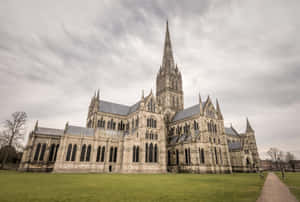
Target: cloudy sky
[(55, 54)]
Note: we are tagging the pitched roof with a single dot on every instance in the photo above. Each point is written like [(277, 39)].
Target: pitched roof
[(188, 112), (114, 108), (49, 131), (76, 130), (234, 145), (230, 131)]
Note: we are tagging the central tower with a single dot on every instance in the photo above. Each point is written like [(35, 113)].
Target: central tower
[(169, 82)]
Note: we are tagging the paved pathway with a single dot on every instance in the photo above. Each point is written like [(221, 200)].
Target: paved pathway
[(275, 191)]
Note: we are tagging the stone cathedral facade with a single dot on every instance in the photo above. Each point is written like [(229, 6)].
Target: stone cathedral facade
[(154, 135)]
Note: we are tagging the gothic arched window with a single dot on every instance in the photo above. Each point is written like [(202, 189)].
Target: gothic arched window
[(56, 150), (169, 157), (115, 154), (37, 152), (146, 153), (202, 156), (43, 152), (98, 154), (111, 151), (51, 152), (177, 157), (83, 150), (151, 153), (221, 160), (73, 158), (103, 154), (186, 156), (69, 152), (155, 153), (216, 155), (133, 154), (137, 154)]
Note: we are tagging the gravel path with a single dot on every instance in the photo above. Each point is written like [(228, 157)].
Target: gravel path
[(275, 191)]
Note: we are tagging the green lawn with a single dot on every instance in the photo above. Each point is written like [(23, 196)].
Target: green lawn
[(135, 187), (292, 180)]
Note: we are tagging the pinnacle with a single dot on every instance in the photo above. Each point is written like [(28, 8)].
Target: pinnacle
[(248, 127)]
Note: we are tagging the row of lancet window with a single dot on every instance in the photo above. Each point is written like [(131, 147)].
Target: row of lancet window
[(41, 150), (86, 153), (151, 123), (215, 158), (121, 125), (135, 154), (100, 154), (151, 106), (151, 136), (187, 155), (175, 101), (113, 153), (151, 153), (212, 127)]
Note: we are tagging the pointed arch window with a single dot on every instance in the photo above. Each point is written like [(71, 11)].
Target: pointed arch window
[(169, 157), (115, 154), (137, 154), (103, 154), (186, 156), (37, 152), (221, 159), (51, 152), (111, 151), (177, 157), (155, 153), (216, 155), (69, 152), (83, 150), (73, 158), (43, 152), (146, 153), (151, 153), (56, 150), (202, 156), (133, 154), (98, 154)]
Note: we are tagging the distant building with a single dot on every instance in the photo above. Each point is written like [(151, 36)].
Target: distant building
[(293, 165), (154, 135)]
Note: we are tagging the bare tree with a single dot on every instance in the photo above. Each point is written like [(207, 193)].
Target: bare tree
[(275, 154), (14, 131), (289, 157)]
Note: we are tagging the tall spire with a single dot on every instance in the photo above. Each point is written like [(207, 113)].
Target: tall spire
[(219, 110), (168, 60), (248, 127)]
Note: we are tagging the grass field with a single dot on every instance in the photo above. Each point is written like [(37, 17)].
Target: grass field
[(292, 180), (136, 187)]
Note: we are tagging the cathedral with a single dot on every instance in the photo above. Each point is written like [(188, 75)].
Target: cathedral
[(154, 135)]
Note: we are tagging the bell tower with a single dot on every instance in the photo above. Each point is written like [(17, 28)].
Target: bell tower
[(168, 81)]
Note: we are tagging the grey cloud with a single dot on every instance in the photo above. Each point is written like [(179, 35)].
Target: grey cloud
[(243, 52)]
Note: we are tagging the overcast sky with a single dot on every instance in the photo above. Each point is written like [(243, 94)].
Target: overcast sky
[(55, 54)]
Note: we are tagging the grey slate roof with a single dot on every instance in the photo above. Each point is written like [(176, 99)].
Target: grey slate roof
[(49, 131), (178, 139), (234, 145), (76, 130), (230, 131), (114, 108), (188, 112)]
